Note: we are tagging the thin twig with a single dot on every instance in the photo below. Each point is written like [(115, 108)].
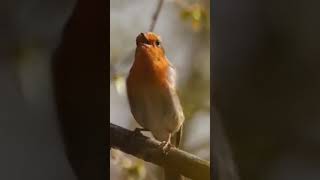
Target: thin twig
[(150, 150), (156, 15)]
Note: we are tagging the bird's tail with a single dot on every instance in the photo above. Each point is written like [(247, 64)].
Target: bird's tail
[(171, 174)]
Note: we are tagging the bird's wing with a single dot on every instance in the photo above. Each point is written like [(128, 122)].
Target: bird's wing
[(172, 113), (137, 106), (176, 138), (174, 99), (172, 76)]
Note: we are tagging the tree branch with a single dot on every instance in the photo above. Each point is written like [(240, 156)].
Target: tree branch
[(155, 15), (150, 150)]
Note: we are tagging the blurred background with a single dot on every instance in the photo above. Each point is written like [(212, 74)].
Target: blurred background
[(266, 83), (48, 46), (184, 28), (31, 144)]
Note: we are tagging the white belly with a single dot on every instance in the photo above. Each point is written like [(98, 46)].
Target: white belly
[(161, 113)]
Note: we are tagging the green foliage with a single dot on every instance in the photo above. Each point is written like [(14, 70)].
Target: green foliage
[(197, 15), (119, 82), (136, 171), (132, 168)]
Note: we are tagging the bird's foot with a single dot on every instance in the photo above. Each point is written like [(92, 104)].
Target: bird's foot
[(137, 131), (166, 146)]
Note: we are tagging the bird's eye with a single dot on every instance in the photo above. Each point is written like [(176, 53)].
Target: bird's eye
[(158, 43)]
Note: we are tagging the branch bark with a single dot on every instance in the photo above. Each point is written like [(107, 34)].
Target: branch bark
[(149, 150)]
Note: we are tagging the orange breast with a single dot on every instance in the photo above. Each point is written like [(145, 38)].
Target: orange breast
[(149, 72)]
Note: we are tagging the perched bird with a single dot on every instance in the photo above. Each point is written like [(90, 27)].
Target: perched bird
[(152, 94)]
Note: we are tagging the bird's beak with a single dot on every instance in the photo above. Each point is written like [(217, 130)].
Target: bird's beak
[(143, 35), (145, 45), (142, 41)]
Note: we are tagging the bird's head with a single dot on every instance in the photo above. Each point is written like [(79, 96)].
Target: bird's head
[(150, 44)]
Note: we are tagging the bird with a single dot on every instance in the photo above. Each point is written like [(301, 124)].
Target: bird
[(152, 95)]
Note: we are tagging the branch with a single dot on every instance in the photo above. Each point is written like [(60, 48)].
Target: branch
[(150, 150), (155, 15)]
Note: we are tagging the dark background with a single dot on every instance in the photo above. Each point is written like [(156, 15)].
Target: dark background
[(266, 86), (53, 89)]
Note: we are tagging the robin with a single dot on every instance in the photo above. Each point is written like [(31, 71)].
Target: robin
[(151, 90)]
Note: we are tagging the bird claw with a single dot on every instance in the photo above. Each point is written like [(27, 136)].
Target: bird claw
[(137, 131), (166, 146)]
